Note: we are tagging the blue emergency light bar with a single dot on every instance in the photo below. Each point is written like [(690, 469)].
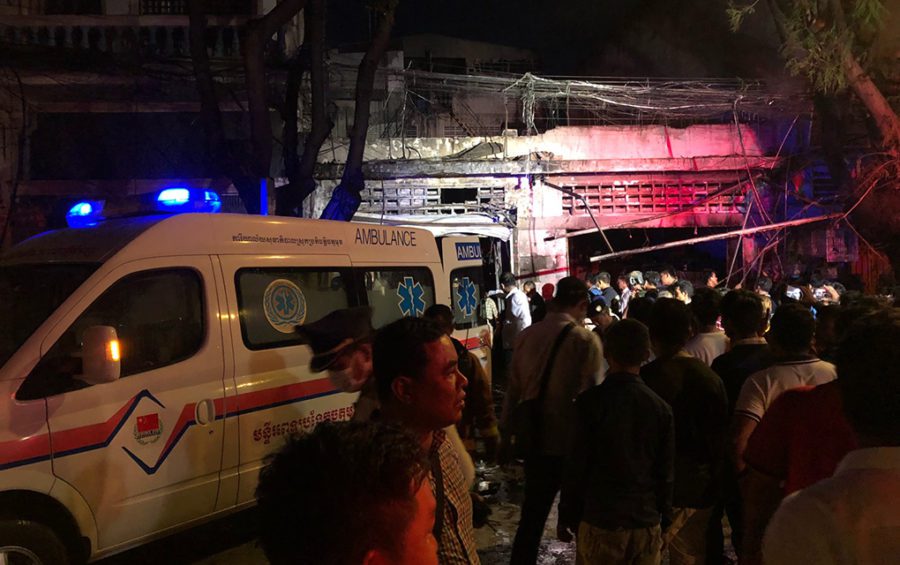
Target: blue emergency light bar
[(85, 213), (175, 200)]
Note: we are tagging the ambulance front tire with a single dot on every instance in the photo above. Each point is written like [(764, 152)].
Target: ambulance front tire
[(32, 541)]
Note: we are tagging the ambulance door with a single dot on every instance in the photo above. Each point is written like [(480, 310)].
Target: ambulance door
[(145, 450), (276, 394), (464, 270)]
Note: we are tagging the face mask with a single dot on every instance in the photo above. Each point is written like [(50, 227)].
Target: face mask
[(342, 379)]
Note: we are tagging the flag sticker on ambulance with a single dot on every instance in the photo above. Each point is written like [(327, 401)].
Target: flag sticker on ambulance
[(147, 429)]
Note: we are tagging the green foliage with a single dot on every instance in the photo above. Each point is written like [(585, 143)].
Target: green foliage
[(737, 12), (820, 34)]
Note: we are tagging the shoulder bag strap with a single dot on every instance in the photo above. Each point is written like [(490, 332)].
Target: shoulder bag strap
[(548, 368)]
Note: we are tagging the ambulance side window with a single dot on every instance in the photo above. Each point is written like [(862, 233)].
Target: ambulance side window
[(274, 301), (466, 292), (158, 317), (397, 292)]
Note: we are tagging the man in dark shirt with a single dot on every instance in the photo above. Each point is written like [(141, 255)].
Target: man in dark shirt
[(700, 408), (617, 492), (744, 319)]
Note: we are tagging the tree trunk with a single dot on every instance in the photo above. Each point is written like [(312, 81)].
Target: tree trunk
[(882, 113), (220, 158), (346, 198), (258, 34), (300, 170)]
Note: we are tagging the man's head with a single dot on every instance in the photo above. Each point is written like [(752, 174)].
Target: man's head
[(508, 281), (636, 279), (670, 326), (683, 290), (442, 315), (651, 280), (599, 313), (641, 309), (348, 493), (867, 362), (603, 279), (627, 345), (764, 285), (710, 278), (793, 327), (743, 314), (572, 296), (528, 287), (622, 282), (342, 345), (667, 275), (417, 374), (705, 307)]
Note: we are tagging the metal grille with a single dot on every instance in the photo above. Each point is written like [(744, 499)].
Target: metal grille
[(635, 196), (179, 7), (409, 199)]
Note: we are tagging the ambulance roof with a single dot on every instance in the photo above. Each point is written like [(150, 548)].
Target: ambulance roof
[(224, 234)]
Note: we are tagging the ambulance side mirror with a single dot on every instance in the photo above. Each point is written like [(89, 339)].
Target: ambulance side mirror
[(101, 356)]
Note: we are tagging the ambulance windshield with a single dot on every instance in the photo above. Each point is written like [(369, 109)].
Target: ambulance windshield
[(29, 293)]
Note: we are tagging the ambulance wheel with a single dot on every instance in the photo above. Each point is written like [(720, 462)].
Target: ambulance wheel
[(25, 542)]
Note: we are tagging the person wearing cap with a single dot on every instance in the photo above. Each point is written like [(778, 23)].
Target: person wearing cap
[(601, 316), (342, 346)]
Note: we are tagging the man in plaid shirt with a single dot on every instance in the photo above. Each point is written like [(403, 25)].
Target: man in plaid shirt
[(421, 388)]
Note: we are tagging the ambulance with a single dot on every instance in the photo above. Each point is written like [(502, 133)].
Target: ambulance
[(148, 365)]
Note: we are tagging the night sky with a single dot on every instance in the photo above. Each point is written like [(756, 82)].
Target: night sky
[(678, 38)]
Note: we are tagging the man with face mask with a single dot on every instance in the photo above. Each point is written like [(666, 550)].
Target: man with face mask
[(342, 346)]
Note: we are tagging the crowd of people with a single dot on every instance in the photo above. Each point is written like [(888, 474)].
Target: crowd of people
[(665, 415)]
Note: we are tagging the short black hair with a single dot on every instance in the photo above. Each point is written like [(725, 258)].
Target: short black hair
[(399, 350), (528, 283), (867, 362), (668, 269), (627, 342), (764, 284), (705, 305), (594, 279), (707, 274), (604, 277), (793, 327), (331, 495), (744, 311), (652, 277), (670, 323), (508, 279), (684, 286), (440, 313), (640, 309), (570, 291)]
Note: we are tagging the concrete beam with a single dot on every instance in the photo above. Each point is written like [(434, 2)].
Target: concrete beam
[(385, 170)]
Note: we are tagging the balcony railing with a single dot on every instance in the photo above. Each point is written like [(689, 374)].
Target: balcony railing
[(152, 36)]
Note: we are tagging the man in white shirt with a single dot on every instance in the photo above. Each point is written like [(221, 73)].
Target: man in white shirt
[(516, 315), (790, 338), (853, 517), (709, 342)]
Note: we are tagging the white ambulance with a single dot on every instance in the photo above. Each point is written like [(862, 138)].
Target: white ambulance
[(148, 365)]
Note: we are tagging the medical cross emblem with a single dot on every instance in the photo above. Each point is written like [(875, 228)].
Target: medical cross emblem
[(466, 297), (412, 297)]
